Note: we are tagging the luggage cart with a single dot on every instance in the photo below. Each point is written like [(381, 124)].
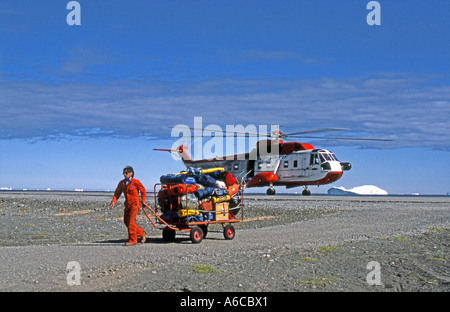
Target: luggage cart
[(175, 215)]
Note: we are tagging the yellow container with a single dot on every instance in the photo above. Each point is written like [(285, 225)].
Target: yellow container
[(212, 170), (203, 170), (187, 212), (221, 199)]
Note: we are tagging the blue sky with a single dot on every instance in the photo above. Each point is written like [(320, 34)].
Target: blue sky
[(81, 102)]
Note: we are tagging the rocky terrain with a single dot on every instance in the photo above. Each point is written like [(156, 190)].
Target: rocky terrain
[(285, 244)]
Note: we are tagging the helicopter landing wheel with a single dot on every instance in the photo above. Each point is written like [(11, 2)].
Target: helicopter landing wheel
[(306, 192)]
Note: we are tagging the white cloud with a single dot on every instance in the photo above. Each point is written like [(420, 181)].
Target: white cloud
[(414, 111), (81, 58)]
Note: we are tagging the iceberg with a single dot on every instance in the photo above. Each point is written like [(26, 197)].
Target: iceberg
[(358, 190)]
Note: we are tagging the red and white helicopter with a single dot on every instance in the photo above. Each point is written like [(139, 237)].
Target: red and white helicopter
[(274, 162)]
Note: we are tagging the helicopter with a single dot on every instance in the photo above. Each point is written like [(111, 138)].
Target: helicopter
[(274, 162)]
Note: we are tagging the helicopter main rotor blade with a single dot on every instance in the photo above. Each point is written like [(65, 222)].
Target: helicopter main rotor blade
[(299, 134), (343, 138), (318, 131), (269, 135)]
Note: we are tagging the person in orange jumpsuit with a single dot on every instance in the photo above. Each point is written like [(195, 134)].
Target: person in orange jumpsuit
[(130, 187)]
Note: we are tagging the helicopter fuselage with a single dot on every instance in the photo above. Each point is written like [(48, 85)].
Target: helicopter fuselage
[(296, 164)]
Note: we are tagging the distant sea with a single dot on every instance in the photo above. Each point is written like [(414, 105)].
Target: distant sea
[(82, 191)]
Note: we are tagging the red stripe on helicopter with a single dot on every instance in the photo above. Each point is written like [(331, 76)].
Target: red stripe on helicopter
[(329, 178), (262, 179)]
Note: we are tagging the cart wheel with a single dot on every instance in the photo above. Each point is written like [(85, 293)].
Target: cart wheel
[(229, 231), (196, 234), (204, 228), (168, 235)]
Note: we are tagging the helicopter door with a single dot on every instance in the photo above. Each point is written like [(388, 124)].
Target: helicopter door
[(304, 165), (314, 163), (300, 163)]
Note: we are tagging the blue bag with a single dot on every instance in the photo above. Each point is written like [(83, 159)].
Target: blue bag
[(193, 171), (176, 178), (172, 178), (166, 216), (189, 180), (204, 192), (205, 180)]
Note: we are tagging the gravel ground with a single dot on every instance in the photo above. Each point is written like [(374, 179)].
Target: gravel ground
[(286, 244)]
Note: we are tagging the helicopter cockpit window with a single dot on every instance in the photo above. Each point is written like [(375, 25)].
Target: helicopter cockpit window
[(322, 158), (286, 164), (314, 160), (332, 156), (326, 157)]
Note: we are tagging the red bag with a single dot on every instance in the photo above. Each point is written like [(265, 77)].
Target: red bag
[(206, 205), (176, 189), (233, 189), (230, 179), (181, 189)]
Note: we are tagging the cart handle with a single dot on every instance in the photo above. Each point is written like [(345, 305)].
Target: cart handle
[(156, 215)]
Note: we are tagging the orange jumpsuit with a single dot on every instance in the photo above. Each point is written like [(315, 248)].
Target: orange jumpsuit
[(132, 205)]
